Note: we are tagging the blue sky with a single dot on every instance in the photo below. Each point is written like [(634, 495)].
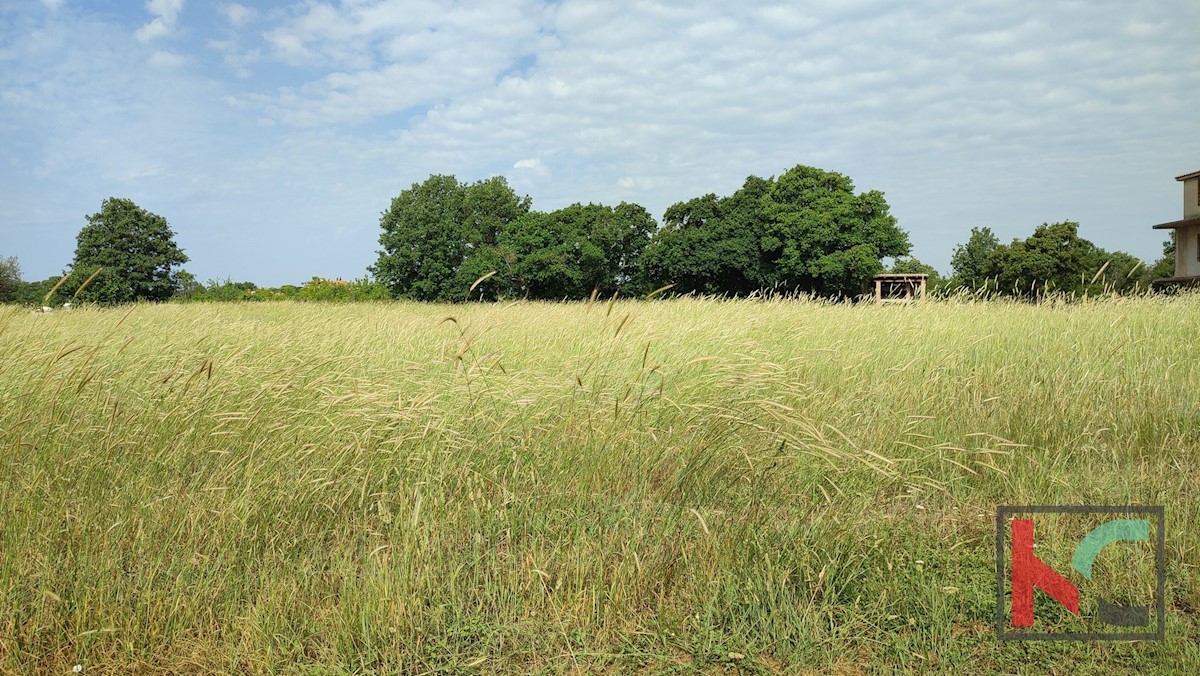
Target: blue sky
[(271, 135)]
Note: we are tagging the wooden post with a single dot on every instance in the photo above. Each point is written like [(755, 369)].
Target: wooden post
[(879, 292)]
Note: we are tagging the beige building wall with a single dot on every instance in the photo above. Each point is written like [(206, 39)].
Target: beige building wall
[(1187, 247), (1191, 201)]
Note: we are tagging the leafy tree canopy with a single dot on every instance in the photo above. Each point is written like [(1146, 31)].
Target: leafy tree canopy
[(969, 261), (1164, 267), (912, 266), (440, 237), (436, 233), (134, 250), (1056, 258), (806, 230), (570, 252), (10, 279)]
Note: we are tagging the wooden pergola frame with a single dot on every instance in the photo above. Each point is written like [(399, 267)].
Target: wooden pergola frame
[(910, 285)]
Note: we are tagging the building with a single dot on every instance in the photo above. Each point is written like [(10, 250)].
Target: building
[(1187, 234)]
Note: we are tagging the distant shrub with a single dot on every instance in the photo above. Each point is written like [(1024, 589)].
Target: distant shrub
[(342, 291), (316, 289)]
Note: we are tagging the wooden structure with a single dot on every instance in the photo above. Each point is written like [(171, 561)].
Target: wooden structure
[(900, 288), (1187, 234)]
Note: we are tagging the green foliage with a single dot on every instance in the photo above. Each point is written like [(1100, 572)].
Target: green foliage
[(316, 289), (711, 245), (225, 291), (441, 237), (1164, 267), (1120, 272), (549, 257), (969, 261), (135, 249), (622, 234), (909, 265), (1056, 259), (912, 266), (34, 293), (569, 252), (342, 291), (10, 279), (186, 285), (433, 230), (806, 230)]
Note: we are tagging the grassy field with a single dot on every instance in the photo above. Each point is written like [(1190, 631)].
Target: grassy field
[(675, 486)]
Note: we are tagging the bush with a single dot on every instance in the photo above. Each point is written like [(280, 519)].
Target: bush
[(342, 291)]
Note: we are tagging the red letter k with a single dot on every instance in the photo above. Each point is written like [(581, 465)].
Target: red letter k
[(1028, 571)]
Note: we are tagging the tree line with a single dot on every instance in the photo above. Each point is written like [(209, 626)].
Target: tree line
[(806, 231)]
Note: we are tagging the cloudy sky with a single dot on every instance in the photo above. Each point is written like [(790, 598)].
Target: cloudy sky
[(272, 134)]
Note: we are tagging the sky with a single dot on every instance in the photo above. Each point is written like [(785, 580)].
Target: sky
[(272, 135)]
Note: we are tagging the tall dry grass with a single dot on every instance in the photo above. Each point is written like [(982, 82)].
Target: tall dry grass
[(686, 484)]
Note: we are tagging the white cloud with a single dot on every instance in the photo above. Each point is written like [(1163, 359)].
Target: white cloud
[(238, 15), (166, 14), (234, 57), (529, 171), (167, 60), (385, 57), (289, 48), (147, 171)]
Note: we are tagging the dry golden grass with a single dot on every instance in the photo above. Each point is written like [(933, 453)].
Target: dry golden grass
[(705, 485)]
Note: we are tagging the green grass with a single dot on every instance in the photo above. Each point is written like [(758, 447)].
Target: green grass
[(676, 486)]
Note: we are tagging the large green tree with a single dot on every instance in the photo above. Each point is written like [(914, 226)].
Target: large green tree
[(806, 230), (134, 251), (548, 256), (443, 238), (10, 279), (439, 236), (570, 252), (1056, 259), (969, 261)]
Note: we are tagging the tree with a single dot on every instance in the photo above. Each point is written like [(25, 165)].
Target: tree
[(699, 250), (832, 241), (622, 234), (10, 279), (186, 285), (1164, 267), (439, 236), (1119, 272), (1055, 258), (548, 256), (806, 230), (34, 293), (570, 252), (969, 261), (912, 266), (134, 251)]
